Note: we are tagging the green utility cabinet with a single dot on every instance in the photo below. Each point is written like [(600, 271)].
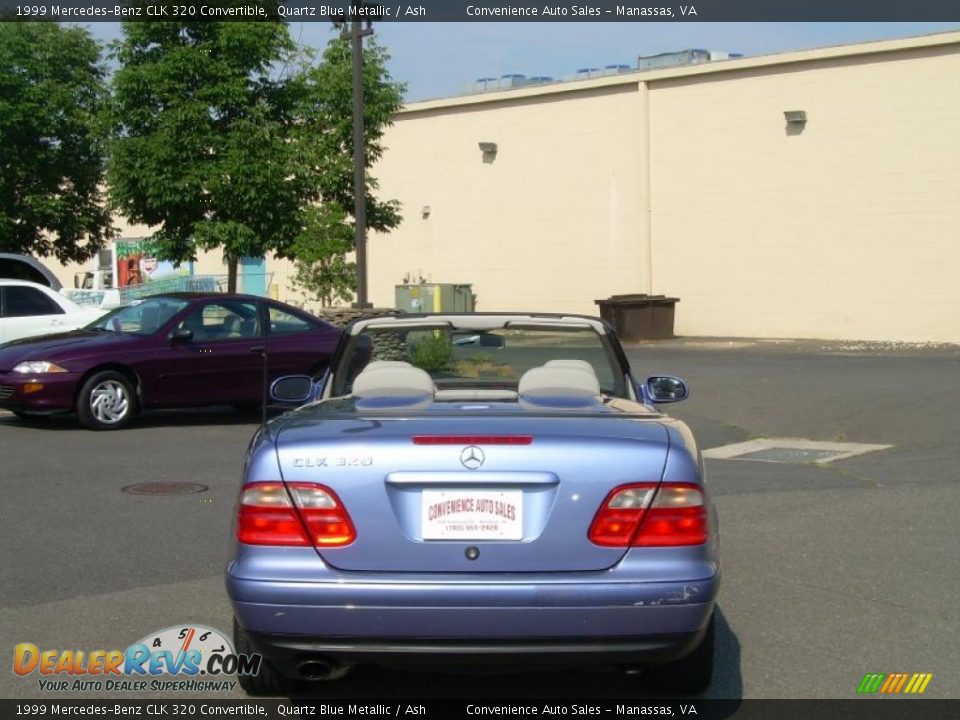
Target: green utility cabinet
[(435, 297)]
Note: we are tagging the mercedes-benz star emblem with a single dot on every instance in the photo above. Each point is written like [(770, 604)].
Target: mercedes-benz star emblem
[(471, 457)]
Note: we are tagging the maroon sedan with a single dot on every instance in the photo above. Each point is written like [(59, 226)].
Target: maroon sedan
[(175, 350)]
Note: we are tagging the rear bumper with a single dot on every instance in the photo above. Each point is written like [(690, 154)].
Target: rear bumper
[(287, 654), (487, 611), (473, 623)]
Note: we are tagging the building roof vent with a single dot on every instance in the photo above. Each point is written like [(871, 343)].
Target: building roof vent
[(673, 59), (484, 84), (513, 80)]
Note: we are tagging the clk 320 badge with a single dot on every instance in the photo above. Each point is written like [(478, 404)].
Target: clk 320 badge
[(316, 462)]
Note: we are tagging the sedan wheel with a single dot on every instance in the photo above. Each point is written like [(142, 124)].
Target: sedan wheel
[(106, 402), (267, 681)]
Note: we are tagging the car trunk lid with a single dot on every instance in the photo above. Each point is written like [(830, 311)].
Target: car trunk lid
[(498, 494)]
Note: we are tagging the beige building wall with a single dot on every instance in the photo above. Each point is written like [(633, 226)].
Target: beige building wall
[(549, 224), (849, 229)]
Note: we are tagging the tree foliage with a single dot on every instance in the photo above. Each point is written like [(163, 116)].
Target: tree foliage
[(51, 142), (326, 137), (322, 268), (329, 127), (228, 136), (201, 151)]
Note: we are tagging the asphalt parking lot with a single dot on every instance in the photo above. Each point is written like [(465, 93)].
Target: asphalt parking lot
[(830, 570)]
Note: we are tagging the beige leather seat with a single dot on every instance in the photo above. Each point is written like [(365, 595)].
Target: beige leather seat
[(558, 381), (404, 384), (231, 326), (572, 363), (150, 319)]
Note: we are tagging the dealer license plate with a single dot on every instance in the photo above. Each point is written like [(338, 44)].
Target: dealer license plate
[(472, 515)]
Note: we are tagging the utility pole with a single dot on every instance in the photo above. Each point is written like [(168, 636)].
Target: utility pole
[(357, 30), (357, 33)]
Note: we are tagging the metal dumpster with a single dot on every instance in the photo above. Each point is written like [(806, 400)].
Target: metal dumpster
[(639, 317)]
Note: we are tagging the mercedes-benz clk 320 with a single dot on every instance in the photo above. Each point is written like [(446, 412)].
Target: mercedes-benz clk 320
[(476, 491)]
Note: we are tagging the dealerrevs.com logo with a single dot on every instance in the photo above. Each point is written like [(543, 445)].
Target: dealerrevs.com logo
[(199, 656)]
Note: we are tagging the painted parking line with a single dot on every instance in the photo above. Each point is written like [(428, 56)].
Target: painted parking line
[(791, 450)]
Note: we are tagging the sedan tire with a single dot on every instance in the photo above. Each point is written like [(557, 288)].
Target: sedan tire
[(107, 401), (267, 681)]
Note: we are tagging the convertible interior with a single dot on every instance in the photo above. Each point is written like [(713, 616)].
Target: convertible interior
[(411, 386)]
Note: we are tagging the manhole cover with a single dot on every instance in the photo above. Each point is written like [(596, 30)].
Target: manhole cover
[(791, 450), (165, 488)]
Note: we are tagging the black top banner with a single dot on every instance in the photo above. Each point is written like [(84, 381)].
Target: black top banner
[(486, 11)]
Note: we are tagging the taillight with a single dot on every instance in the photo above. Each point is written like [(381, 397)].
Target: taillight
[(643, 515), (328, 523), (619, 517), (315, 516), (678, 516)]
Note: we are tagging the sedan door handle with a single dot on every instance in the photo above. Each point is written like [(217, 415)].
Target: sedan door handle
[(258, 348)]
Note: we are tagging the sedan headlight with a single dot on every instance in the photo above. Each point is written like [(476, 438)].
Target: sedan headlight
[(35, 367)]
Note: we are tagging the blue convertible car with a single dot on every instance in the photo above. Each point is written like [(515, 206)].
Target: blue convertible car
[(481, 490)]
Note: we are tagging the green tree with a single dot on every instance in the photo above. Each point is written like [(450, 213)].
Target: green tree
[(322, 269), (325, 137), (202, 113), (51, 142), (329, 126)]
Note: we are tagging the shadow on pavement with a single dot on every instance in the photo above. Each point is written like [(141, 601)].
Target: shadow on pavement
[(149, 419), (727, 680)]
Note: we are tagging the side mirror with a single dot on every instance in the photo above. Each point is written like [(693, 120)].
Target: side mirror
[(666, 389), (292, 389), (181, 335)]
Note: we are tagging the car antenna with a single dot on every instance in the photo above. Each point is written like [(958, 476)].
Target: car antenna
[(265, 390), (266, 386)]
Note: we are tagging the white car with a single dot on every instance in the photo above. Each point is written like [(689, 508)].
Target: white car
[(28, 309)]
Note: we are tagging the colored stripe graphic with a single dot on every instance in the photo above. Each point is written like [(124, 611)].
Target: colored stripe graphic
[(918, 683), (894, 683), (871, 682), (897, 685)]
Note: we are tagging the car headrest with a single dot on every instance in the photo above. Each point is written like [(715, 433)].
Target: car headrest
[(386, 384), (377, 364), (572, 363), (150, 319), (558, 380), (232, 325)]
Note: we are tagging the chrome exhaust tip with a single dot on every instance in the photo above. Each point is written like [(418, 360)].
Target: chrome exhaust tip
[(321, 669)]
